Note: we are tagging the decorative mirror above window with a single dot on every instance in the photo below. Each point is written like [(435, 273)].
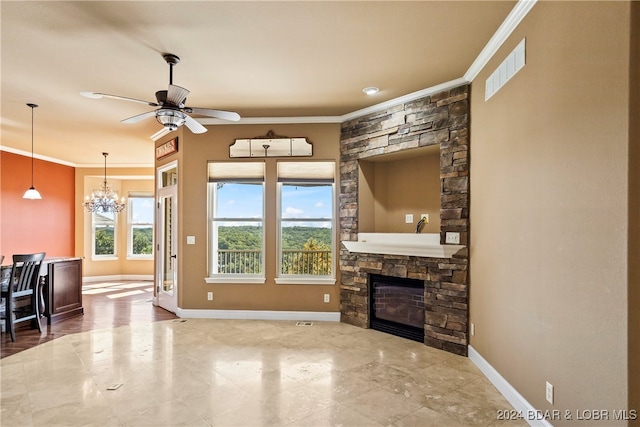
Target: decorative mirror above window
[(271, 145)]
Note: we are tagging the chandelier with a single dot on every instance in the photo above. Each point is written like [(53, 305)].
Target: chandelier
[(104, 200)]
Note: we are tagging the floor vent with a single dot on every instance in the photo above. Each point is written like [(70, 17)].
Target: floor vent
[(304, 323), (180, 320)]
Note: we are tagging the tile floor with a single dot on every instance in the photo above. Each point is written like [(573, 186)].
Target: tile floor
[(201, 372), (106, 305)]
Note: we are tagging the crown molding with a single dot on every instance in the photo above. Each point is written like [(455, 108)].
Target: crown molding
[(273, 120), (37, 156), (403, 99), (116, 165), (517, 14), (74, 165)]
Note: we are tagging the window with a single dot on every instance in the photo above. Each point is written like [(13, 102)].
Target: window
[(236, 212), (140, 235), (306, 221), (104, 234)]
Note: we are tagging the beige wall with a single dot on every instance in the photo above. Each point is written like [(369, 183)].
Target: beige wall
[(194, 153), (134, 180), (634, 214), (549, 209), (391, 189)]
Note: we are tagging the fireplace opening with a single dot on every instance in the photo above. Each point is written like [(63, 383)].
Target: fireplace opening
[(397, 306)]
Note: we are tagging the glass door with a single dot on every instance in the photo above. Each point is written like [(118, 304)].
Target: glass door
[(167, 265)]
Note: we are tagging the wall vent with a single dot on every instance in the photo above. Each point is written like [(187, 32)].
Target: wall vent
[(509, 67)]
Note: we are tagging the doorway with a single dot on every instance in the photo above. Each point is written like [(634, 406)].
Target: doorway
[(166, 295)]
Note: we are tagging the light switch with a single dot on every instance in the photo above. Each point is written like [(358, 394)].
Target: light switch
[(191, 240), (408, 218)]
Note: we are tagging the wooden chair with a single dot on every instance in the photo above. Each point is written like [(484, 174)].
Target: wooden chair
[(22, 292)]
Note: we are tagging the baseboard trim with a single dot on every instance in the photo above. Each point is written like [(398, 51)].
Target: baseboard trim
[(519, 403), (259, 315), (114, 277)]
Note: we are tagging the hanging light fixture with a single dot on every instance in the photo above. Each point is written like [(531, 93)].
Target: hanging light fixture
[(32, 193), (104, 200)]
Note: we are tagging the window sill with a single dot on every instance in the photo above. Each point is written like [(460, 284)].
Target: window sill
[(232, 279), (104, 258), (305, 280), (140, 258)]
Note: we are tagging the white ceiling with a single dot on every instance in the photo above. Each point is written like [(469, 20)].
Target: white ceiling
[(259, 58)]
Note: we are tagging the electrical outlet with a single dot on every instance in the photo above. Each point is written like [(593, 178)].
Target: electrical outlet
[(549, 393), (191, 240), (327, 297), (408, 218), (452, 238), (210, 296), (426, 217), (473, 329)]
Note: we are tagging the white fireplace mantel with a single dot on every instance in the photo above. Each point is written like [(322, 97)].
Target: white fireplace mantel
[(409, 244)]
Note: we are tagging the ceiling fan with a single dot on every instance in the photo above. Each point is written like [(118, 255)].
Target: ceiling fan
[(172, 112)]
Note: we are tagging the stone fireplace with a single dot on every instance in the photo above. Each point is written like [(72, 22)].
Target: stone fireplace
[(443, 119)]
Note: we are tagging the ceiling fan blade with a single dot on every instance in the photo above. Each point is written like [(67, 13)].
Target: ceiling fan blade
[(176, 95), (218, 114), (98, 95), (193, 125), (139, 117)]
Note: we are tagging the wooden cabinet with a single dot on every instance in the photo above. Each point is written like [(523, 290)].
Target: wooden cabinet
[(63, 289)]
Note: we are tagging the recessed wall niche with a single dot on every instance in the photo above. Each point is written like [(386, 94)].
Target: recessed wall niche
[(392, 135), (393, 185)]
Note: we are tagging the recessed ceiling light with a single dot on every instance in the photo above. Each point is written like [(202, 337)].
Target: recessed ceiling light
[(371, 90)]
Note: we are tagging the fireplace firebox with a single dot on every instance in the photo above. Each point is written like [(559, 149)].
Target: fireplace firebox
[(397, 306)]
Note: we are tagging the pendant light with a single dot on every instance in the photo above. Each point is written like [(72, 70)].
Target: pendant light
[(32, 193)]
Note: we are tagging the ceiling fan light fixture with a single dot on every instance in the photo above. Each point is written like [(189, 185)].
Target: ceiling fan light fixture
[(171, 119)]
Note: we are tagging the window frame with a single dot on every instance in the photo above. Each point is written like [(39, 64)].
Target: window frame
[(305, 279), (131, 225), (104, 257), (214, 277)]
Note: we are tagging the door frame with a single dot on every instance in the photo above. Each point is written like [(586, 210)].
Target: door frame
[(169, 303)]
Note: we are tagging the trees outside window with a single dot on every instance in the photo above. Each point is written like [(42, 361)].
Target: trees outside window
[(236, 216), (306, 219), (104, 235), (306, 228), (140, 235), (304, 222)]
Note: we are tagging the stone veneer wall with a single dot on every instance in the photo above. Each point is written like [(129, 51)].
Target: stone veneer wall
[(442, 119)]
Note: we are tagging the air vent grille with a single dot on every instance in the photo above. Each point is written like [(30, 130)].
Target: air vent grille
[(505, 71)]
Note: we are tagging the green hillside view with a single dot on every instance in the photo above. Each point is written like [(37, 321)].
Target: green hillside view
[(305, 250), (105, 242), (249, 237), (142, 241)]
